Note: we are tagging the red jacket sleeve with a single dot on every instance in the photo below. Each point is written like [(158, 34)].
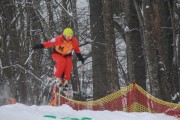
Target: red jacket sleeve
[(59, 40), (76, 45), (53, 42)]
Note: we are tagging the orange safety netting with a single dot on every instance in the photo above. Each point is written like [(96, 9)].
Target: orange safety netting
[(130, 99)]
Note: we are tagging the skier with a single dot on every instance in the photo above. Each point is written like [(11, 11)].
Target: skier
[(63, 45)]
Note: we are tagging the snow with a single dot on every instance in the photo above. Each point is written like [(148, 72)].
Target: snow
[(22, 112), (126, 29), (147, 7), (178, 5)]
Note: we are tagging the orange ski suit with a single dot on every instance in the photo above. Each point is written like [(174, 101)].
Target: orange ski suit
[(62, 55)]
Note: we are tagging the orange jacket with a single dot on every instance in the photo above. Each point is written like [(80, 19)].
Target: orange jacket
[(58, 41)]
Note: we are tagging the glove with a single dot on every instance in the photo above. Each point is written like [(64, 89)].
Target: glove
[(38, 46), (80, 57)]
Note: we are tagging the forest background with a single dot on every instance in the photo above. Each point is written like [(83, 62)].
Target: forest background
[(121, 40)]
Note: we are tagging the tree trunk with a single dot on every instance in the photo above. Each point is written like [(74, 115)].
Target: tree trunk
[(112, 71), (135, 56), (175, 14), (162, 45), (150, 48), (100, 80), (75, 79)]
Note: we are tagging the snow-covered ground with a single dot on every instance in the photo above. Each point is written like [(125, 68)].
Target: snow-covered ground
[(23, 112)]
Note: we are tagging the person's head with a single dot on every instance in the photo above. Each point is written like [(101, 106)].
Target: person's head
[(68, 33)]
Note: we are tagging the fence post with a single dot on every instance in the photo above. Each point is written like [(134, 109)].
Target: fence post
[(131, 96)]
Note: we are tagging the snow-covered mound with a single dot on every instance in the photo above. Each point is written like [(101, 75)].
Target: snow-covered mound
[(24, 112)]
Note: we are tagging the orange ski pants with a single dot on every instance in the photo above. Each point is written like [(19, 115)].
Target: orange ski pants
[(63, 66)]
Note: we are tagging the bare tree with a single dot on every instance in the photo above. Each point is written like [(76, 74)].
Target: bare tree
[(162, 71), (100, 80), (112, 70), (134, 45), (150, 31), (175, 13), (150, 48)]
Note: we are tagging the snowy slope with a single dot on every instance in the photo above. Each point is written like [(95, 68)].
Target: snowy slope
[(23, 112)]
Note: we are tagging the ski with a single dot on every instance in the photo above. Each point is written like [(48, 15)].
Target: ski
[(67, 91), (59, 97), (59, 90), (55, 94)]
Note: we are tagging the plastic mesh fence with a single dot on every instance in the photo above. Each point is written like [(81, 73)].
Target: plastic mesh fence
[(129, 99)]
